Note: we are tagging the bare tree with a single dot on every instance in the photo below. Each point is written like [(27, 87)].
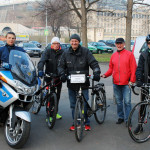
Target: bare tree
[(55, 18), (82, 8), (130, 4), (129, 23)]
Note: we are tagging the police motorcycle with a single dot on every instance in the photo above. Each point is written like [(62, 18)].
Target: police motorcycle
[(18, 87)]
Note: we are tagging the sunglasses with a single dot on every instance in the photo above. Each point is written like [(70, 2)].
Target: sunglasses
[(148, 43)]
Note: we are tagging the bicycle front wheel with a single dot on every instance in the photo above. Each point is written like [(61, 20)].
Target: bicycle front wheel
[(51, 110), (79, 119), (139, 122), (100, 105)]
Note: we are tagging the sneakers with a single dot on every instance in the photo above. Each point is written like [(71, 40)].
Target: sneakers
[(58, 116), (138, 130), (120, 121), (87, 128), (72, 128), (50, 119)]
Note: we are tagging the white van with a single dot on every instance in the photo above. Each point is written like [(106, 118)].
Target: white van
[(140, 45)]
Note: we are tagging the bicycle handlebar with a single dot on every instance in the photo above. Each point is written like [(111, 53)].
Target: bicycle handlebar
[(144, 85)]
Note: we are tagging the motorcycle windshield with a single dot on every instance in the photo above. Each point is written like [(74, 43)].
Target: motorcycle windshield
[(22, 66)]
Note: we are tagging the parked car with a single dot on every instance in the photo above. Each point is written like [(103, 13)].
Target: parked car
[(65, 46), (36, 43), (140, 45), (110, 43), (31, 49), (104, 41), (2, 44), (102, 47), (93, 49)]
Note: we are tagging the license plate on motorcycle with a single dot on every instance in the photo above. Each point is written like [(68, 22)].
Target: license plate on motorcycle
[(77, 78)]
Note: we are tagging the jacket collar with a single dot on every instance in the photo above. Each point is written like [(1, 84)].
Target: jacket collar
[(121, 51), (76, 52)]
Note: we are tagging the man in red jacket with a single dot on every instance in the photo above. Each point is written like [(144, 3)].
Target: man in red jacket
[(122, 67)]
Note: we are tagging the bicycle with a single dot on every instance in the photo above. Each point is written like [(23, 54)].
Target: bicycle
[(98, 104), (49, 100), (140, 116)]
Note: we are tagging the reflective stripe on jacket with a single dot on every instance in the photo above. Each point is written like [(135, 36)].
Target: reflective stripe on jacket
[(122, 67)]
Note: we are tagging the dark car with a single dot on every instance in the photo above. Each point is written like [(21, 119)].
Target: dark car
[(62, 45), (2, 44), (36, 43), (104, 41), (102, 47), (31, 49), (110, 43)]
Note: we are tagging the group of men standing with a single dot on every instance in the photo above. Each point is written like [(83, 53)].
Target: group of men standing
[(62, 63)]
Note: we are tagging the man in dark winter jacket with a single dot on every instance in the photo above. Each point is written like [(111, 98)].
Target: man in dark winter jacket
[(78, 59), (50, 59), (4, 51), (143, 76)]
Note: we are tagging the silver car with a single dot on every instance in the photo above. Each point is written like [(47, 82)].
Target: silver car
[(31, 49)]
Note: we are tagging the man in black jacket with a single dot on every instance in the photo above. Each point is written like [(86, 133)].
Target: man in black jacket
[(50, 59), (78, 59), (143, 76)]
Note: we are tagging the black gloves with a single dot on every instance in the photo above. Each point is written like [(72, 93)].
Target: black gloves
[(96, 77), (63, 78), (139, 83)]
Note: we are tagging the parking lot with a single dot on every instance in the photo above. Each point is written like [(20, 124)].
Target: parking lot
[(102, 137)]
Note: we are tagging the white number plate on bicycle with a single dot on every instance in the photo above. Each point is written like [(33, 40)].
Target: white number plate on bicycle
[(77, 78)]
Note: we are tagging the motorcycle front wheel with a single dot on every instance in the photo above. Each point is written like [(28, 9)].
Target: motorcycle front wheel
[(17, 136)]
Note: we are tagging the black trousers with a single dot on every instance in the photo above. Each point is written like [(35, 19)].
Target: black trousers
[(144, 92), (58, 88)]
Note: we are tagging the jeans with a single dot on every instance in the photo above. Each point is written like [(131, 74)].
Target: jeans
[(123, 99), (72, 99)]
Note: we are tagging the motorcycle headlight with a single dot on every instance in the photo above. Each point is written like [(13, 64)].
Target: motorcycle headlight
[(23, 89)]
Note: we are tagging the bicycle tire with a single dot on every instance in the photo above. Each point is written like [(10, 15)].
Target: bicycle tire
[(37, 104), (79, 119), (136, 118), (100, 102), (51, 110)]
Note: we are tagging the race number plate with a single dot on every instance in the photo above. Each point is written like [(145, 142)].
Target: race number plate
[(77, 78)]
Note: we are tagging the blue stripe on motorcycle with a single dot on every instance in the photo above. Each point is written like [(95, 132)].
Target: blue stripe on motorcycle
[(5, 95), (7, 74)]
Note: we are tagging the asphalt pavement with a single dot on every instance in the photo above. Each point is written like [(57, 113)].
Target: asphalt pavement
[(107, 136)]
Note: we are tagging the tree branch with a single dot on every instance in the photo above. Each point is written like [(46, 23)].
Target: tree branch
[(75, 9), (90, 4)]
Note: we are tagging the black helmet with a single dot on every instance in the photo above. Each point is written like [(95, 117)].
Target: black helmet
[(148, 38)]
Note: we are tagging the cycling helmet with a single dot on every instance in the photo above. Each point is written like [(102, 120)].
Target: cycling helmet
[(148, 38)]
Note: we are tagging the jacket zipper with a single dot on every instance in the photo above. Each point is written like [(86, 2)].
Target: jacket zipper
[(119, 68)]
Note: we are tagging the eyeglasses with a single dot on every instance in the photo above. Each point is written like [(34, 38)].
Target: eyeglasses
[(148, 43)]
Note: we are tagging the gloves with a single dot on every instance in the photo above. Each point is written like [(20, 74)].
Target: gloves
[(6, 66), (63, 78), (139, 83), (41, 74), (96, 77)]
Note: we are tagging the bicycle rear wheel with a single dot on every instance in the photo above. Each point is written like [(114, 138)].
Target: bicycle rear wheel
[(51, 110), (100, 102), (139, 117), (79, 119)]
